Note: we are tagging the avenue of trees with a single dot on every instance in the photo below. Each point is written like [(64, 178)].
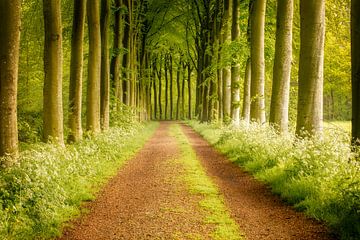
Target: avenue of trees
[(73, 63)]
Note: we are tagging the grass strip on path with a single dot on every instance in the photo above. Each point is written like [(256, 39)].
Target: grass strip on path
[(199, 183)]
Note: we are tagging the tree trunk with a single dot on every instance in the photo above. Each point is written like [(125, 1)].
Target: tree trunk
[(189, 91), (105, 65), (226, 72), (10, 18), (183, 93), (246, 99), (153, 79), (355, 72), (53, 107), (178, 73), (171, 86), (126, 56), (282, 66), (311, 67), (94, 68), (115, 70), (159, 74), (257, 109), (235, 68), (76, 71), (166, 86)]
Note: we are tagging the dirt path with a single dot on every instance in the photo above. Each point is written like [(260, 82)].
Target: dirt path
[(259, 213), (145, 200)]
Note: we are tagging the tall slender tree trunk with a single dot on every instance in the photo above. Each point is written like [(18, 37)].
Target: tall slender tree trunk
[(355, 72), (171, 86), (226, 71), (105, 65), (155, 92), (126, 55), (166, 64), (183, 93), (235, 68), (76, 71), (178, 73), (10, 18), (257, 109), (311, 67), (159, 74), (245, 114), (279, 109), (94, 68), (115, 69), (53, 107), (189, 90)]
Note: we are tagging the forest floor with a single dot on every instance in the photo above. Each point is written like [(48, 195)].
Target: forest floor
[(149, 199)]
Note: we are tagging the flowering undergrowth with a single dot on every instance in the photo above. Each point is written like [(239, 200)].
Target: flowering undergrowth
[(320, 176), (45, 189)]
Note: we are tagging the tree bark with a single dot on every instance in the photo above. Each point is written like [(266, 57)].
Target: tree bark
[(226, 72), (311, 67), (155, 91), (53, 107), (126, 56), (76, 71), (183, 93), (246, 99), (159, 74), (116, 61), (355, 72), (10, 18), (105, 66), (178, 73), (166, 86), (279, 109), (171, 86), (257, 109), (189, 91), (94, 68), (235, 68)]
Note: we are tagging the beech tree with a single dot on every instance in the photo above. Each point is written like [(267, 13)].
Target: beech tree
[(226, 71), (105, 65), (282, 66), (116, 60), (10, 18), (52, 104), (311, 65), (94, 68), (76, 71), (235, 68), (257, 12), (355, 71), (245, 114)]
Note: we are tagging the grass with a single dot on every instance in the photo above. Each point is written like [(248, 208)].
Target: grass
[(200, 184), (320, 176), (338, 125), (47, 186)]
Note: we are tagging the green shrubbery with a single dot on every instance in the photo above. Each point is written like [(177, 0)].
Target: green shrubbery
[(46, 187), (320, 176)]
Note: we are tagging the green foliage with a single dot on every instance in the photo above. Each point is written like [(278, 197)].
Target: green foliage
[(199, 183), (320, 176), (47, 185)]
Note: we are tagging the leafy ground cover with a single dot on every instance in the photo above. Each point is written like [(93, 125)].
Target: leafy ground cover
[(320, 176), (49, 183)]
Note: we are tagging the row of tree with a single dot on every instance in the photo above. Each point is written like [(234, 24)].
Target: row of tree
[(145, 53)]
